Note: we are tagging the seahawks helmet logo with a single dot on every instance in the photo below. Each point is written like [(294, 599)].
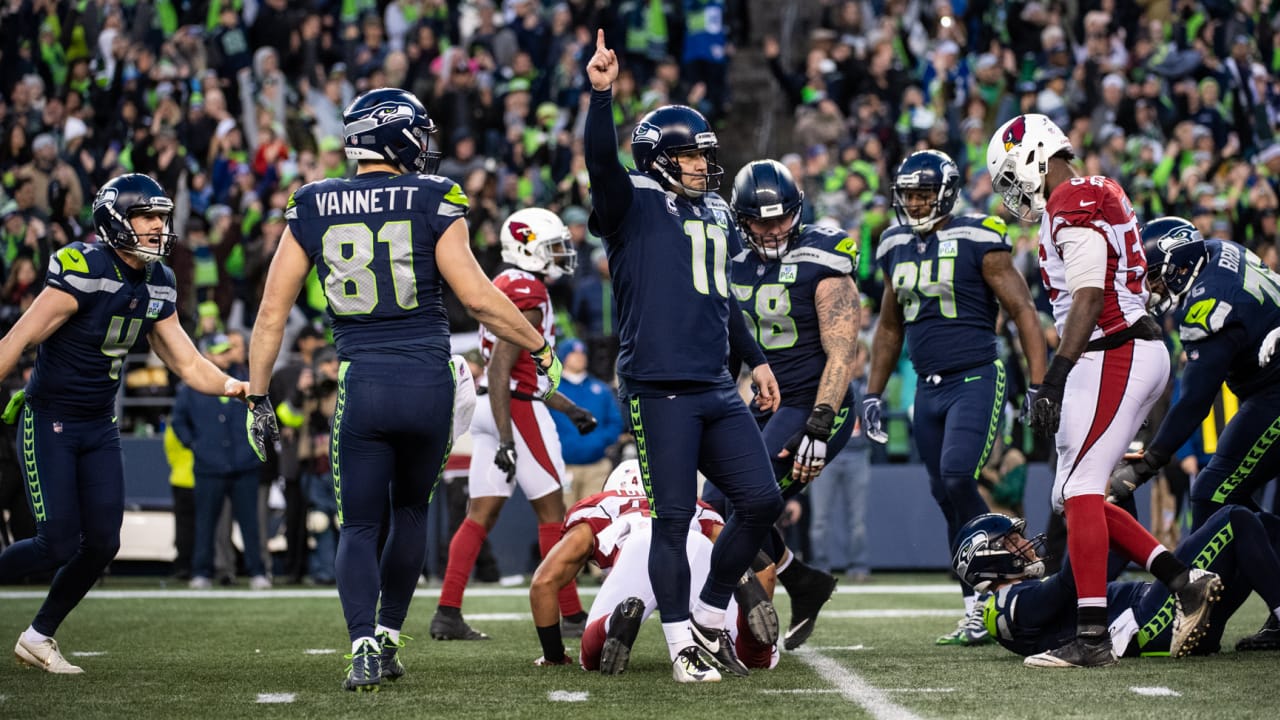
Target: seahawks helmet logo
[(646, 133), (106, 197), (1017, 130), (390, 113)]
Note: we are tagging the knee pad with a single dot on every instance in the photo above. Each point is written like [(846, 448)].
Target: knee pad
[(762, 510), (59, 549)]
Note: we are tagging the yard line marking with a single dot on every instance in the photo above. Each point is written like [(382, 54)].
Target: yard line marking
[(800, 691), (888, 613), (319, 651), (820, 648), (277, 697), (919, 690), (1157, 691), (567, 696), (853, 688), (88, 653), (426, 593)]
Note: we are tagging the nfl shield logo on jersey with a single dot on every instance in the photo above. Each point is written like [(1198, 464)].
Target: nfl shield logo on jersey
[(787, 274), (57, 427)]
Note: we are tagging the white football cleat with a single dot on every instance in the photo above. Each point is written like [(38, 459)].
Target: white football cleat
[(689, 667), (44, 655)]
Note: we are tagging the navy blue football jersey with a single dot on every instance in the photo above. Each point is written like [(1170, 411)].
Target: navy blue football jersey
[(1236, 295), (1032, 617), (77, 371), (948, 310), (777, 298), (669, 262), (372, 239)]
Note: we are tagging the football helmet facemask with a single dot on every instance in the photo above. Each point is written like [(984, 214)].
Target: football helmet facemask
[(765, 190), (983, 553), (537, 241), (1175, 253), (128, 196)]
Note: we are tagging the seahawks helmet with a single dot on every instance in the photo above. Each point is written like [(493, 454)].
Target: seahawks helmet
[(1175, 253), (763, 190), (981, 557), (625, 479), (673, 130), (123, 198), (391, 125), (929, 170)]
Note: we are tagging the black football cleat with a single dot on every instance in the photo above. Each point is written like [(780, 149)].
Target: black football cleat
[(757, 608), (624, 626), (807, 598), (449, 627), (1268, 638), (717, 644), (1082, 652)]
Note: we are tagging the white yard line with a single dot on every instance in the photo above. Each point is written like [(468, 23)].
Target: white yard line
[(276, 697), (491, 592), (88, 653), (820, 648), (567, 696), (319, 651), (853, 688), (1157, 691)]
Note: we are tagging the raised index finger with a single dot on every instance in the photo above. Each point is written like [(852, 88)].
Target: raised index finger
[(600, 40)]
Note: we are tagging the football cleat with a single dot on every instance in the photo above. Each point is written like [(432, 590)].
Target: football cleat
[(690, 667), (624, 626), (1191, 606), (573, 629), (970, 631), (447, 627), (807, 598), (717, 644), (1268, 638), (1084, 651), (389, 661), (44, 655), (365, 671), (757, 608)]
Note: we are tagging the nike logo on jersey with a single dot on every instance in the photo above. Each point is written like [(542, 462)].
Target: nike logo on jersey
[(971, 379), (524, 290), (1087, 204)]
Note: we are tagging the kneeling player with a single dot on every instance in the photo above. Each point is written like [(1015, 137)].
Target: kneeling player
[(613, 529), (1031, 617)]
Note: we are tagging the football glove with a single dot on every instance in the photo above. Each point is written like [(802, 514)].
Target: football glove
[(583, 420), (1046, 407), (260, 424), (547, 365), (1132, 472), (1267, 350), (809, 446), (873, 418), (14, 408), (1028, 402), (505, 459)]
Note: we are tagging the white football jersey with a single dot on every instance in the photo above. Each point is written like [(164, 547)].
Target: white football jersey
[(1097, 203), (612, 515)]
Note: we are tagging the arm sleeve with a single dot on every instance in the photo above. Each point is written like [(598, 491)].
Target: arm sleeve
[(610, 185), (741, 342), (1084, 253), (1210, 360)]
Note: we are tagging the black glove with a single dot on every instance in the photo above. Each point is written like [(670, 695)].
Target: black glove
[(505, 459), (809, 446), (1131, 473), (260, 425), (583, 420), (1046, 408)]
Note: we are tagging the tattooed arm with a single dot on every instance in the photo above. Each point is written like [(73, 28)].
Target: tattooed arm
[(837, 304)]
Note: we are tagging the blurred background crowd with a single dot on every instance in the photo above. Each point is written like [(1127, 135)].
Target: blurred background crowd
[(234, 104)]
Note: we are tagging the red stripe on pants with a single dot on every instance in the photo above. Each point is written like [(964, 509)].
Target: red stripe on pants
[(527, 423), (1114, 381)]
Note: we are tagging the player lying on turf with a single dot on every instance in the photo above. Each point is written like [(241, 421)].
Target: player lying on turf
[(1028, 615), (613, 529)]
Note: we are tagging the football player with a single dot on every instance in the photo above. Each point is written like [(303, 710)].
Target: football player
[(668, 237), (1228, 306), (382, 243), (1031, 615), (100, 299), (613, 529), (795, 287), (514, 439), (944, 275), (1110, 362)]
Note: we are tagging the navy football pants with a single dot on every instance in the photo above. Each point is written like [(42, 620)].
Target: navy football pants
[(74, 473), (956, 420), (711, 431), (1247, 458), (391, 436)]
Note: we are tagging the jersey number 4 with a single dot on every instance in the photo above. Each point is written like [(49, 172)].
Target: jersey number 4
[(352, 286), (912, 280)]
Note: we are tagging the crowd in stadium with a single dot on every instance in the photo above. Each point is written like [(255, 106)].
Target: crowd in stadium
[(233, 105)]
